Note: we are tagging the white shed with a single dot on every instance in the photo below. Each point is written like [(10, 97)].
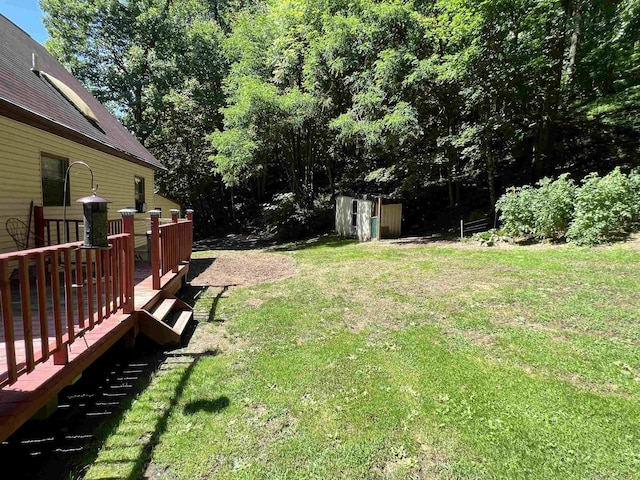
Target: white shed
[(360, 218)]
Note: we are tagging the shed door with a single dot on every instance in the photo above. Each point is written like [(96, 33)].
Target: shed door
[(343, 216), (365, 208)]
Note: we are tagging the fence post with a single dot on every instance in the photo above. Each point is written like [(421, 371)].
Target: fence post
[(155, 248), (128, 215), (461, 228)]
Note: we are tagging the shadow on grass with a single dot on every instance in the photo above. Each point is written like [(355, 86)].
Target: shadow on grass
[(330, 241), (70, 438), (214, 305), (210, 406), (192, 293), (198, 265), (248, 242), (234, 242), (163, 408), (93, 410)]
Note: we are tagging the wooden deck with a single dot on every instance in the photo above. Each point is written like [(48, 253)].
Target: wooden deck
[(63, 306), (37, 389)]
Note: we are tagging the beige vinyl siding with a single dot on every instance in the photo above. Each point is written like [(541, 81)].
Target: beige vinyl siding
[(165, 205), (21, 147)]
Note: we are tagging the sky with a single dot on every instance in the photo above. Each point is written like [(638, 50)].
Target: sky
[(27, 15)]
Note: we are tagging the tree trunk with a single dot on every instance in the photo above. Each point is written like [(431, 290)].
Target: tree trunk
[(491, 171), (544, 161), (576, 39)]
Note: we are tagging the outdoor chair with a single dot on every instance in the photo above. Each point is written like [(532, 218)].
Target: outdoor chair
[(19, 231)]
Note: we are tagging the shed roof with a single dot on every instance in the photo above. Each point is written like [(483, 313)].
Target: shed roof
[(28, 97)]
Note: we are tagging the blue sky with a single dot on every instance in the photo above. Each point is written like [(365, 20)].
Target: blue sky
[(27, 15)]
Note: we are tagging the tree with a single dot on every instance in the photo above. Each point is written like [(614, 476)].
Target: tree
[(158, 65), (273, 123)]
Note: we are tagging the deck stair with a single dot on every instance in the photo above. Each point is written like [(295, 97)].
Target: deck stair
[(165, 322)]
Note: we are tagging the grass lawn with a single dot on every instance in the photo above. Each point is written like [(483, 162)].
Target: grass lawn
[(387, 361)]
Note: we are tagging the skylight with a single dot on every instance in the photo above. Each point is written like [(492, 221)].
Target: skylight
[(72, 97)]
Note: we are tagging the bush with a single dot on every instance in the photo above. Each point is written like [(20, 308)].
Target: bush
[(553, 207), (517, 211), (543, 212), (601, 210), (607, 208), (490, 237)]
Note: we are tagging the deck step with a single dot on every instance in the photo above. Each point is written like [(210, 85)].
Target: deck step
[(166, 321), (162, 309), (182, 321)]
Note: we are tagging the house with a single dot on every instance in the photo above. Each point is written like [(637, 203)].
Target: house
[(360, 218), (48, 121), (66, 302)]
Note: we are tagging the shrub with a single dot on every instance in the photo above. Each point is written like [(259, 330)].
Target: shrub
[(607, 208), (602, 209), (553, 207), (517, 211), (490, 237)]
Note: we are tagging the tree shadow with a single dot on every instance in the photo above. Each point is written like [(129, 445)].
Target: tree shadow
[(234, 242), (210, 406), (269, 244), (198, 266), (214, 305), (330, 241)]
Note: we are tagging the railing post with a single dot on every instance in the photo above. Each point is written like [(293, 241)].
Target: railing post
[(177, 240), (155, 248), (190, 234), (128, 216), (38, 225)]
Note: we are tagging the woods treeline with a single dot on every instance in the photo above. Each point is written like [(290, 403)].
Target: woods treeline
[(263, 111)]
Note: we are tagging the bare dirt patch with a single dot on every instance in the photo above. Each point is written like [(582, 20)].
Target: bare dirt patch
[(240, 269)]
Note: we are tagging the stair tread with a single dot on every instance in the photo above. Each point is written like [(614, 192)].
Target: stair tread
[(162, 309), (181, 322)]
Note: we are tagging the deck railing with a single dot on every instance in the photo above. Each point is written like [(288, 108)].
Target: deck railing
[(170, 244), (51, 296), (53, 231)]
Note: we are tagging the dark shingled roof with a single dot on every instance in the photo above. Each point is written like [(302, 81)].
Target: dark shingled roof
[(20, 87)]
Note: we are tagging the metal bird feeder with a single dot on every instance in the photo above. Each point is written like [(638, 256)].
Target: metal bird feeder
[(95, 221)]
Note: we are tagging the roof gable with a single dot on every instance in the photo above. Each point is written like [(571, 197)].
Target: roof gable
[(25, 89)]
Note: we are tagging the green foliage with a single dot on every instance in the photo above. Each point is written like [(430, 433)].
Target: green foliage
[(159, 66), (517, 212), (607, 208), (553, 207), (439, 100), (490, 237), (287, 220), (602, 209), (543, 212), (618, 109)]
